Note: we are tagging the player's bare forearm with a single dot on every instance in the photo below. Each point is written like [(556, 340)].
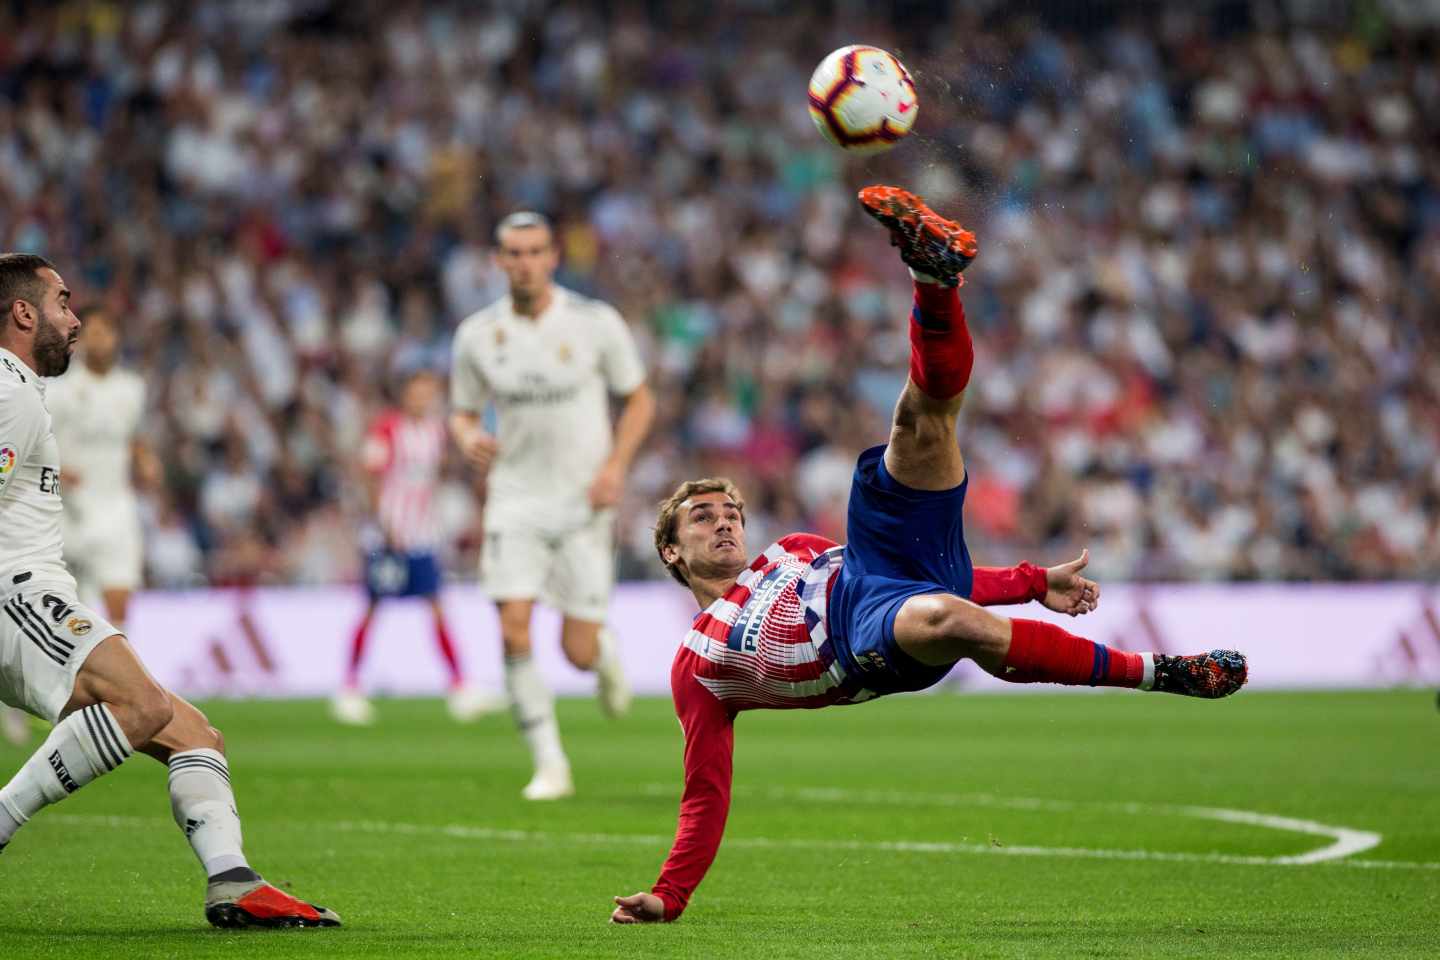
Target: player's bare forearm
[(636, 418)]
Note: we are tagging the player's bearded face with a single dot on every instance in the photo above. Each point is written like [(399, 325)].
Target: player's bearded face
[(54, 342)]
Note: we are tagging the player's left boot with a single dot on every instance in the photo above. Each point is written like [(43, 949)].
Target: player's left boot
[(466, 703), (1212, 675), (254, 903), (928, 243)]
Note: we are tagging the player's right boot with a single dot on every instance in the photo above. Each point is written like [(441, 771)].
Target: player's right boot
[(1212, 675), (255, 903), (928, 242), (552, 782)]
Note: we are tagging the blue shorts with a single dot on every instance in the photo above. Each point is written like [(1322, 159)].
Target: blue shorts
[(900, 543), (395, 573)]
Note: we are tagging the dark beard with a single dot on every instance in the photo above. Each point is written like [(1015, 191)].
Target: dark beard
[(52, 350)]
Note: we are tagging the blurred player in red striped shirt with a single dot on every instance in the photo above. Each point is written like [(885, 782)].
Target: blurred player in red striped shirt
[(402, 458), (810, 623)]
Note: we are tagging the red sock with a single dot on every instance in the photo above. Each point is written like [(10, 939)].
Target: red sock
[(447, 651), (941, 353), (1044, 653), (357, 647)]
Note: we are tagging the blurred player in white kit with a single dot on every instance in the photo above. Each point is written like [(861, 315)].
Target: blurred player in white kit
[(549, 359), (96, 409)]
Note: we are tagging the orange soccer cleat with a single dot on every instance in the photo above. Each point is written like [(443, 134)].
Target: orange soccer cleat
[(928, 242), (255, 903)]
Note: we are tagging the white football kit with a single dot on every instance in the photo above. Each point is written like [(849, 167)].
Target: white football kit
[(45, 632), (96, 419), (549, 379)]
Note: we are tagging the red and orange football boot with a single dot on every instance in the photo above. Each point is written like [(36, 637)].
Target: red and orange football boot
[(1212, 675), (928, 242), (254, 903)]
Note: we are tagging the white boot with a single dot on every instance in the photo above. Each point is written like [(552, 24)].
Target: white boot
[(350, 707)]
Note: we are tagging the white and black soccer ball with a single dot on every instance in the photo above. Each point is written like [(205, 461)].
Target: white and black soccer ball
[(863, 100)]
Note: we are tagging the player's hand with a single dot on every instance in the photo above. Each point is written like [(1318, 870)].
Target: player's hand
[(605, 489), (479, 448), (638, 908), (1070, 592)]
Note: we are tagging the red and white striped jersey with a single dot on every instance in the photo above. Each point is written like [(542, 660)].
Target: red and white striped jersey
[(406, 454), (764, 644)]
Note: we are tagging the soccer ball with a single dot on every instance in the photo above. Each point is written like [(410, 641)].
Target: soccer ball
[(863, 99)]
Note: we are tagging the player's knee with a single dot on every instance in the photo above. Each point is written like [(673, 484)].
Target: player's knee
[(947, 621), (151, 711)]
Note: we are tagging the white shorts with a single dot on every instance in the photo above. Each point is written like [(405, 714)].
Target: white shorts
[(45, 636), (573, 572), (106, 554)]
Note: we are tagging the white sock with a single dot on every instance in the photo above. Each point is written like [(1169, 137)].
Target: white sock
[(534, 709), (83, 746), (919, 277), (204, 807), (1147, 676), (609, 653)]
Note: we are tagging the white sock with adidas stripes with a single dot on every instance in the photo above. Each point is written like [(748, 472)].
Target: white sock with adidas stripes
[(83, 746), (204, 808), (534, 709)]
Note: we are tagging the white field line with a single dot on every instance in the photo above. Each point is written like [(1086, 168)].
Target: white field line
[(1345, 841), (660, 843)]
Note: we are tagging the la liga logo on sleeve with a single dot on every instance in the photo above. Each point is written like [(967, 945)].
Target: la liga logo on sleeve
[(7, 458)]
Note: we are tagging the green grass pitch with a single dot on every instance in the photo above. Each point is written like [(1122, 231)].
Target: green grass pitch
[(1035, 825)]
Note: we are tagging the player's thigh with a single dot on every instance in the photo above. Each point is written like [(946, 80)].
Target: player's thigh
[(863, 610), (939, 629), (114, 674), (515, 563), (47, 638), (188, 729), (923, 452), (584, 571), (901, 533)]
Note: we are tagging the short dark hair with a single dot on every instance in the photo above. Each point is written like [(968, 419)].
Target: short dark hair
[(20, 279)]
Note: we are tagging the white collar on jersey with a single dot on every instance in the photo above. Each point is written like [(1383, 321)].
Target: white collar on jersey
[(23, 369)]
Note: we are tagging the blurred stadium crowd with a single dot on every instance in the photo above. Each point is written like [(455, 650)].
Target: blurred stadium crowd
[(1205, 308)]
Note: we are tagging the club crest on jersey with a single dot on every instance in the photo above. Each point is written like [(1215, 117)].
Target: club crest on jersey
[(563, 353), (499, 337), (79, 626)]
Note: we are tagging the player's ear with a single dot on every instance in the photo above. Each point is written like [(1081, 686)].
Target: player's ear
[(670, 554)]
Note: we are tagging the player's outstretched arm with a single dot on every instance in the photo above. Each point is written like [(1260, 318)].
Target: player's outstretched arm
[(709, 750), (1061, 588)]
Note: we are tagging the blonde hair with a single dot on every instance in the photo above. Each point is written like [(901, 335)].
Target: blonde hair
[(670, 513)]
